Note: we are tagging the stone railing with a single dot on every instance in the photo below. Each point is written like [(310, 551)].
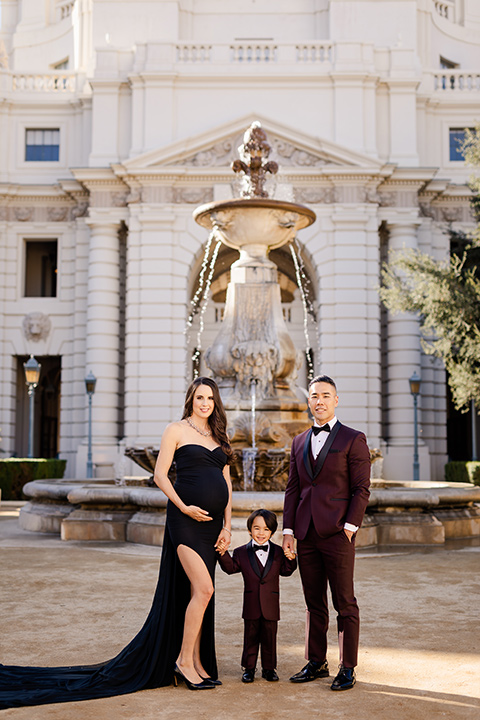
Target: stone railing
[(64, 9), (445, 8), (457, 80), (193, 53), (314, 52), (44, 82), (255, 52)]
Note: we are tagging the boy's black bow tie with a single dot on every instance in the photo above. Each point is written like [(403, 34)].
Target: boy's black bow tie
[(259, 547), (325, 428)]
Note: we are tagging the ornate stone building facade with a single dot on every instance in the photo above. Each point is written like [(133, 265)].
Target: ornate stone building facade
[(118, 118)]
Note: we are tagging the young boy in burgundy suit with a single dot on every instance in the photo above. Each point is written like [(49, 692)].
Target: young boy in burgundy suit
[(261, 563)]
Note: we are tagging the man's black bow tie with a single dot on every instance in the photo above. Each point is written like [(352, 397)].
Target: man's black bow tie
[(325, 428), (259, 547)]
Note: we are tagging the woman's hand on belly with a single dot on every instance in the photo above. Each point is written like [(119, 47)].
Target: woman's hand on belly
[(196, 513)]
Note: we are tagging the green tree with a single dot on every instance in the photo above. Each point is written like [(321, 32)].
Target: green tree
[(445, 296)]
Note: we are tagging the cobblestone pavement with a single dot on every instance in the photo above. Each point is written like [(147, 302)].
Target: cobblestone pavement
[(72, 603)]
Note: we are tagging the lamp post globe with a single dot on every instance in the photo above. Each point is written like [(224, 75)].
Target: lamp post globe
[(32, 369)]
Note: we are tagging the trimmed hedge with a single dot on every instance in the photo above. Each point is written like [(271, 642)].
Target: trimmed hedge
[(463, 471), (17, 472)]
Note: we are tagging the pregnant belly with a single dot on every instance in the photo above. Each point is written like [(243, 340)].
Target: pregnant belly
[(210, 494)]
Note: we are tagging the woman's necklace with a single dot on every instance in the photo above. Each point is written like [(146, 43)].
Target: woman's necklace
[(205, 433)]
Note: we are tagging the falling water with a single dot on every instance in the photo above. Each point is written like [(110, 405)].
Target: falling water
[(205, 286), (249, 454), (302, 281), (254, 402), (196, 298)]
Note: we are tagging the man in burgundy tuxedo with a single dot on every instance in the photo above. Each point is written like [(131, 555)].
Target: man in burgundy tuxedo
[(261, 563), (325, 501)]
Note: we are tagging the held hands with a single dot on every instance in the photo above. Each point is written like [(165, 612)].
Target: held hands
[(289, 547), (197, 513), (223, 541)]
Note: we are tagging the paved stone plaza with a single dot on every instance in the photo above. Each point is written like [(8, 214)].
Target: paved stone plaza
[(72, 603)]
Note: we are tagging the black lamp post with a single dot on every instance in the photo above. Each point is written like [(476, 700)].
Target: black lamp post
[(90, 382), (415, 383), (32, 370)]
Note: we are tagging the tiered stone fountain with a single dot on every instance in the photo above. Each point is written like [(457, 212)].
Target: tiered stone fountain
[(253, 345)]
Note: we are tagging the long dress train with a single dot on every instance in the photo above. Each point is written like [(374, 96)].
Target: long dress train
[(148, 660)]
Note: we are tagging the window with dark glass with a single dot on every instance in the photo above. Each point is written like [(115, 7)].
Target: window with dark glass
[(42, 145), (457, 138), (41, 268)]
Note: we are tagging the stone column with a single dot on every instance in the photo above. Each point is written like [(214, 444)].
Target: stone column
[(404, 357), (349, 323), (161, 250), (102, 348)]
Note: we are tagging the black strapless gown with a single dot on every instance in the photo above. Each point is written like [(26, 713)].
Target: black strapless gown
[(148, 660)]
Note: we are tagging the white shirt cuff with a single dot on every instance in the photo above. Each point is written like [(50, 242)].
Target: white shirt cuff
[(348, 526), (287, 531)]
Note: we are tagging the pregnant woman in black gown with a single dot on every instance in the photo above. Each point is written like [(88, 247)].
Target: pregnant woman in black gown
[(177, 640)]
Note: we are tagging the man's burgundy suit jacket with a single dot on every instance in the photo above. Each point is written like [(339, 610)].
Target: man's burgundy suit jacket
[(337, 494), (261, 593)]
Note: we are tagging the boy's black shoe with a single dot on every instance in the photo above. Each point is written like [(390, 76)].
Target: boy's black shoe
[(311, 671), (270, 675), (345, 679), (248, 676)]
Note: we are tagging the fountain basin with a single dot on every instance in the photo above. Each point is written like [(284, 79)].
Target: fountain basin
[(102, 511), (254, 224)]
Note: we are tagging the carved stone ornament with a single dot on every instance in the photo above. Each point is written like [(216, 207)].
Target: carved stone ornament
[(192, 195), (451, 214), (426, 210), (57, 214), (223, 153), (292, 156), (80, 210), (36, 326), (315, 195), (23, 214), (118, 199)]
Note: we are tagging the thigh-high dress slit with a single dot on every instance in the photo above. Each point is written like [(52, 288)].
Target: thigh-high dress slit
[(148, 660)]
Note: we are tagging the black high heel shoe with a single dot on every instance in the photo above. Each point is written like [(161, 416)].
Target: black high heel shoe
[(178, 676), (211, 680)]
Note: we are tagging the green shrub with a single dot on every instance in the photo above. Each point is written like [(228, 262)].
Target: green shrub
[(463, 471), (17, 472)]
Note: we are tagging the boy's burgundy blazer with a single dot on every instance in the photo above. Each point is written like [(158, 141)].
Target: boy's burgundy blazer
[(337, 494), (261, 594)]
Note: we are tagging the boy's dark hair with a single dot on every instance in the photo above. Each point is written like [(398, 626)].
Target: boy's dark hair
[(269, 517), (322, 378)]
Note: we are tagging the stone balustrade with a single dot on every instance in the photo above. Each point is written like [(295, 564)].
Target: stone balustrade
[(64, 9), (398, 513), (253, 52), (446, 9), (457, 80), (53, 82)]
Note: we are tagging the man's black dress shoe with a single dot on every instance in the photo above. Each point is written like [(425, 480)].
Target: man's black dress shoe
[(270, 675), (345, 679), (248, 676), (311, 671)]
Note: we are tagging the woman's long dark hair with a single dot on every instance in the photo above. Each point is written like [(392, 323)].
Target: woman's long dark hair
[(217, 420)]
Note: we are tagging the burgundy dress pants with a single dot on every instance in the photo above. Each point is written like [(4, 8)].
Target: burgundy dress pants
[(329, 561), (261, 633)]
